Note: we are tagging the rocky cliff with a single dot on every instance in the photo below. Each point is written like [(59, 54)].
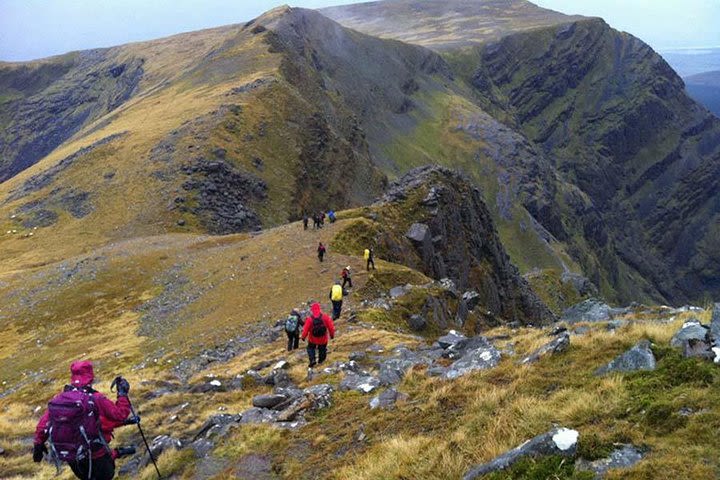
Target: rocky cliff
[(616, 122), (435, 221)]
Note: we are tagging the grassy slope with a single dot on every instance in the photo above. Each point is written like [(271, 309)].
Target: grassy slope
[(245, 281)]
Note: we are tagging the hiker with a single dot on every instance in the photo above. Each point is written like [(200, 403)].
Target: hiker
[(305, 221), (370, 258), (316, 221), (331, 216), (321, 251), (317, 329), (321, 216), (336, 297), (293, 324), (347, 279), (92, 419)]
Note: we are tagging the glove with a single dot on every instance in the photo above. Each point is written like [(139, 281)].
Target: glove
[(39, 449), (134, 420), (123, 387)]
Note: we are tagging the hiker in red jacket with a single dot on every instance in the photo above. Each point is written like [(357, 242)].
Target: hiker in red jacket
[(64, 441), (318, 327), (321, 251)]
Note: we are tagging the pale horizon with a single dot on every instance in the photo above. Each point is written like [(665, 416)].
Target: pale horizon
[(35, 29)]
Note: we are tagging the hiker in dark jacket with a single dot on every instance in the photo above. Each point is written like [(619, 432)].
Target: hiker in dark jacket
[(347, 278), (318, 330), (370, 258), (112, 415), (305, 221), (293, 325), (321, 251)]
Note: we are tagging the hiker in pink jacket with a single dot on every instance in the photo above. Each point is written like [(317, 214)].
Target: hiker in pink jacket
[(72, 427)]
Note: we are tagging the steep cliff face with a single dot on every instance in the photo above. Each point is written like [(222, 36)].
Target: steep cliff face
[(435, 221), (49, 102), (614, 119)]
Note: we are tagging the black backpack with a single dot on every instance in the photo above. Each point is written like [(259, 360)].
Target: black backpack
[(318, 327)]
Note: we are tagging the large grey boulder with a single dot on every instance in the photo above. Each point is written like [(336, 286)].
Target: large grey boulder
[(559, 441), (259, 415), (715, 325), (392, 370), (450, 339), (417, 323), (694, 340), (481, 358), (591, 310), (624, 456), (387, 399), (639, 357), (399, 291), (691, 330), (268, 400), (471, 298), (418, 232), (558, 345), (359, 383)]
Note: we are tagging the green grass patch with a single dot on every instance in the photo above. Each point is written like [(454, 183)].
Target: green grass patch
[(553, 467)]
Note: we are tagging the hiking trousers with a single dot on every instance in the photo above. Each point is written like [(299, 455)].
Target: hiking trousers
[(103, 468), (337, 308), (322, 351), (347, 280), (293, 340), (321, 255), (370, 262)]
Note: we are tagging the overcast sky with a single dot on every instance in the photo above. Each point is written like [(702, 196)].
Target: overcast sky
[(32, 29)]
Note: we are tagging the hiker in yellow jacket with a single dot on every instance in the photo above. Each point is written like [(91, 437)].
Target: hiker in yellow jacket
[(370, 258), (336, 297)]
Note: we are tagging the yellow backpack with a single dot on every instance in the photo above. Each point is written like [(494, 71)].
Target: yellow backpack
[(367, 254), (336, 294)]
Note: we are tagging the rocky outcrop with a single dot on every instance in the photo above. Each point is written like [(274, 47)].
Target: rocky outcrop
[(694, 339), (223, 194), (624, 456), (80, 91), (640, 357), (591, 310), (563, 86), (450, 233), (560, 441), (557, 345)]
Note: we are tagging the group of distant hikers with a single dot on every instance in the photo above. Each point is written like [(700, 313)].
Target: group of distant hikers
[(79, 421), (319, 219)]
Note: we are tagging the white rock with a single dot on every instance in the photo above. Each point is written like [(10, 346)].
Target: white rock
[(565, 438), (366, 387), (717, 354), (215, 383), (486, 356)]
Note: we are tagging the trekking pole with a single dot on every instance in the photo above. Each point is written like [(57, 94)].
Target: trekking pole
[(136, 421)]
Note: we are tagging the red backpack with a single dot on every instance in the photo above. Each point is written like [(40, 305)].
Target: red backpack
[(74, 426)]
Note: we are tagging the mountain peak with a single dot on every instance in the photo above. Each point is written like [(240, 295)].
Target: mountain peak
[(440, 24)]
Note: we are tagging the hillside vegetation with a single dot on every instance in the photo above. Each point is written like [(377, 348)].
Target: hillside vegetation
[(513, 169)]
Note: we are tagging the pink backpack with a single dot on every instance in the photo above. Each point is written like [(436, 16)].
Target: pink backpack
[(74, 426)]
